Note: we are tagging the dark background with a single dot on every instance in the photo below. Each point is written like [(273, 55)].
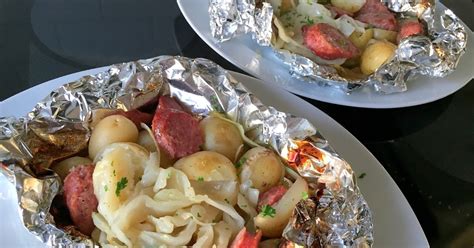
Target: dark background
[(427, 149)]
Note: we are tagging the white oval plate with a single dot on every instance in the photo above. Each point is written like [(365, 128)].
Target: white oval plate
[(395, 223), (261, 62)]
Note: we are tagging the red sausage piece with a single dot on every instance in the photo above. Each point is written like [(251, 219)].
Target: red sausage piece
[(80, 198), (409, 28), (245, 239), (328, 42), (375, 13), (176, 131), (271, 196)]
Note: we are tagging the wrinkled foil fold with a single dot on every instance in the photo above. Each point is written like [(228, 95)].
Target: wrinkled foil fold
[(435, 55), (58, 127)]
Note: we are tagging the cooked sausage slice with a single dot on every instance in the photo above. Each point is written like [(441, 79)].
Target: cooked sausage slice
[(80, 198), (375, 13), (271, 196), (245, 239), (328, 42), (176, 131), (409, 28)]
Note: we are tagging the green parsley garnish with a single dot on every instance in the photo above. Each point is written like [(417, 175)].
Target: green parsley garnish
[(226, 200), (200, 179), (169, 175), (241, 161), (106, 188), (215, 104), (304, 195), (362, 175), (310, 2), (121, 185), (268, 211), (114, 171), (308, 21), (199, 216)]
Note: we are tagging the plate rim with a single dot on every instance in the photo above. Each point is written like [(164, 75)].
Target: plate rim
[(57, 82), (386, 105)]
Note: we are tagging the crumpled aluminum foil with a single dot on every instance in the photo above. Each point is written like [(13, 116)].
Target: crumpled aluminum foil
[(335, 213), (434, 55)]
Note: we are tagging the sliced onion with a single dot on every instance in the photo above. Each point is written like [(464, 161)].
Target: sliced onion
[(217, 190)]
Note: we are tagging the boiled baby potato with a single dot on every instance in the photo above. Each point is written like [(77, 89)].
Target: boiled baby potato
[(64, 167), (118, 167), (111, 129), (220, 136), (375, 55), (263, 166), (348, 5), (272, 226), (207, 166)]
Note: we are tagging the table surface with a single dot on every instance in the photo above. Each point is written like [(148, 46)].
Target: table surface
[(427, 149)]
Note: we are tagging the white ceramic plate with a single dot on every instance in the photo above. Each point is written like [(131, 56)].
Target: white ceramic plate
[(260, 62), (395, 223)]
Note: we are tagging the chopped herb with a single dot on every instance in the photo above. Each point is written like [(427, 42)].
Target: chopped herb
[(169, 175), (268, 211), (113, 172), (200, 179), (362, 175), (244, 206), (226, 200), (199, 216), (241, 161), (106, 188), (304, 195), (215, 104), (121, 185), (308, 20), (310, 2)]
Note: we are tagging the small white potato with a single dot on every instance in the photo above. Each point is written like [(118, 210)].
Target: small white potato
[(220, 136), (351, 6), (64, 167), (263, 166), (207, 166), (375, 55), (111, 129), (272, 227), (118, 167)]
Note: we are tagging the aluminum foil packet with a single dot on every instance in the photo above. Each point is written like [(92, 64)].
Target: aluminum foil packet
[(435, 55), (334, 214)]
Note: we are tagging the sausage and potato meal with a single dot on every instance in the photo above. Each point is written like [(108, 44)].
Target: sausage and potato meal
[(181, 180)]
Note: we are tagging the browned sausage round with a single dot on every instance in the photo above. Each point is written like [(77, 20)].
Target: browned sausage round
[(409, 28), (176, 131), (375, 13), (328, 42), (80, 198)]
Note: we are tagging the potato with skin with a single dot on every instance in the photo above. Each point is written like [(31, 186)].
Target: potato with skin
[(375, 55), (351, 6), (208, 166), (64, 167), (220, 136), (111, 129), (272, 226), (265, 168)]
